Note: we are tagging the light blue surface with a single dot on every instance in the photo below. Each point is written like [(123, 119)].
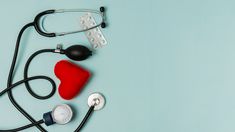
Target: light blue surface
[(168, 67)]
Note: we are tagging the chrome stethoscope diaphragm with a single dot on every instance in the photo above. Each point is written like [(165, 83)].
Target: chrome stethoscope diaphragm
[(97, 100)]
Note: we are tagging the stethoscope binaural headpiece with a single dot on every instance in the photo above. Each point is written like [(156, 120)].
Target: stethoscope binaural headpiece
[(40, 29)]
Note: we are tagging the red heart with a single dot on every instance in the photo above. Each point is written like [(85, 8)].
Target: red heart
[(72, 78)]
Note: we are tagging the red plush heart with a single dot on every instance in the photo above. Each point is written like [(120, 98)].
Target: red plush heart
[(72, 78)]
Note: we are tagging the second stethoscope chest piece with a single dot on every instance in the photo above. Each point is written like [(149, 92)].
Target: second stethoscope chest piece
[(97, 100)]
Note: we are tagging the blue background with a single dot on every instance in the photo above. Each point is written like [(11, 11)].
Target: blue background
[(168, 66)]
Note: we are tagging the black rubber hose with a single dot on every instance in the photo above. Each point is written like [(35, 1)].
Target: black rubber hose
[(10, 78), (26, 75), (37, 25), (10, 85), (30, 79), (23, 127), (88, 114), (27, 79)]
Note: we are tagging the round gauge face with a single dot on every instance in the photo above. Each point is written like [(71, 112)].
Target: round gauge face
[(62, 114)]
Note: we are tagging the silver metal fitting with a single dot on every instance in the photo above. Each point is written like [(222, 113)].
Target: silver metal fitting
[(58, 48)]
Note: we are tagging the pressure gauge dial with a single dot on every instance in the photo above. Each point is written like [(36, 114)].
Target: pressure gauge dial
[(62, 114)]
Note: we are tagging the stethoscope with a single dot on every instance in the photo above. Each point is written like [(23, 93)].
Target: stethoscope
[(61, 114)]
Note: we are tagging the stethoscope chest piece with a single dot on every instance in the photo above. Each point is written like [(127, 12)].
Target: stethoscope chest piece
[(97, 100)]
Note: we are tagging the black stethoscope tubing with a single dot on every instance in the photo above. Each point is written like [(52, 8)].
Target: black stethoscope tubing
[(10, 85)]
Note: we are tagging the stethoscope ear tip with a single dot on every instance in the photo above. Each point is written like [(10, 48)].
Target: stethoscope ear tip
[(102, 9), (103, 25)]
